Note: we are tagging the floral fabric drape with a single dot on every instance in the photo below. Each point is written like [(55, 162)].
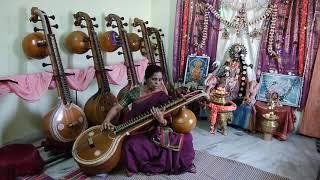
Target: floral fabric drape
[(185, 43), (288, 33)]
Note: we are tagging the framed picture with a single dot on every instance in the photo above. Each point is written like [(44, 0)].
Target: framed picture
[(287, 87), (196, 70)]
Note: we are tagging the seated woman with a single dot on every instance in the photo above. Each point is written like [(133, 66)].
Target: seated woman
[(155, 149)]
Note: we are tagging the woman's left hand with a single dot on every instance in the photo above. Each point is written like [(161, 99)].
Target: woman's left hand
[(158, 114)]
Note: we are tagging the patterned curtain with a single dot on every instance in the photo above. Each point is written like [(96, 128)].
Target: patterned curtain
[(286, 41), (295, 43), (310, 124), (312, 44), (188, 33)]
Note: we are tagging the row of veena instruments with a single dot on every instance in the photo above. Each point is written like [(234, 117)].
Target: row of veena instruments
[(38, 45), (96, 151)]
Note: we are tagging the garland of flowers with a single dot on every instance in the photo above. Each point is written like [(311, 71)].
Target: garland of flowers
[(232, 4), (272, 11), (201, 46), (271, 34), (235, 24)]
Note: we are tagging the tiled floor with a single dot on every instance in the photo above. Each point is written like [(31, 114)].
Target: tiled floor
[(296, 158)]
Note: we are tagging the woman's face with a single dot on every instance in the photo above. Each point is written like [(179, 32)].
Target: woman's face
[(154, 82)]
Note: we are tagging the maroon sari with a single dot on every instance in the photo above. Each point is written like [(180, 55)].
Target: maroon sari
[(142, 154)]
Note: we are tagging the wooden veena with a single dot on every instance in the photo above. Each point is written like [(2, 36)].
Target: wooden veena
[(127, 54), (98, 105), (67, 120), (99, 152), (162, 58), (146, 45)]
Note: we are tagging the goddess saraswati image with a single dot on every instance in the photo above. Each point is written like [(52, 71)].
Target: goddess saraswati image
[(196, 70)]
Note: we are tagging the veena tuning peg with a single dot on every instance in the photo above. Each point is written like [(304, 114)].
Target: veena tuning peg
[(35, 29), (52, 17), (55, 26), (88, 56), (45, 64)]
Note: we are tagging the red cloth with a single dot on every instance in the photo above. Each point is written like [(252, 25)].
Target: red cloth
[(286, 119), (184, 39), (56, 146), (215, 109), (302, 35), (19, 159)]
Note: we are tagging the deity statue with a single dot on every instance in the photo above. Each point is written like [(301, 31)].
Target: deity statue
[(233, 77)]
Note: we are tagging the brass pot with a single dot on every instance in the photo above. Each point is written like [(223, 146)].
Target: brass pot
[(269, 123), (220, 99)]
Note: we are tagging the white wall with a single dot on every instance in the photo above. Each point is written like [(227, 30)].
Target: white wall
[(20, 118), (162, 16)]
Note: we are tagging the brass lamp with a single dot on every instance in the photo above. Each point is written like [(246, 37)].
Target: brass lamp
[(219, 97), (269, 123)]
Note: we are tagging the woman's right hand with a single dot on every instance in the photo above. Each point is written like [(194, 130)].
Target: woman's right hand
[(107, 125)]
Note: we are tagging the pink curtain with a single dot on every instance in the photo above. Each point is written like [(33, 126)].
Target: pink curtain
[(310, 125)]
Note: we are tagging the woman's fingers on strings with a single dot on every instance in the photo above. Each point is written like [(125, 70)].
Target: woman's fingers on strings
[(153, 111), (111, 126), (106, 126)]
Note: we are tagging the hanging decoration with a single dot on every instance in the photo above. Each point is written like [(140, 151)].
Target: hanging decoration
[(200, 47), (271, 35), (255, 33), (250, 5), (239, 23)]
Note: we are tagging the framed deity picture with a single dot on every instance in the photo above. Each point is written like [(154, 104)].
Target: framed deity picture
[(287, 87), (196, 70)]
